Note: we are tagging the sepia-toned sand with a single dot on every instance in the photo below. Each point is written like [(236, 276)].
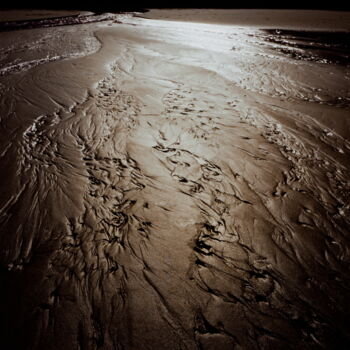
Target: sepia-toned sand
[(176, 180)]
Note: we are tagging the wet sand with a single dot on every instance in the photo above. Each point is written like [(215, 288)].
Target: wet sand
[(175, 185)]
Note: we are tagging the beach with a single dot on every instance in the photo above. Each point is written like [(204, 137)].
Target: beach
[(176, 179)]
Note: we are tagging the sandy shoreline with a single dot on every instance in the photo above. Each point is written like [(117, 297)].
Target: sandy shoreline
[(178, 185)]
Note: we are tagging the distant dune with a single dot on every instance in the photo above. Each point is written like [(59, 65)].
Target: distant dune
[(280, 19)]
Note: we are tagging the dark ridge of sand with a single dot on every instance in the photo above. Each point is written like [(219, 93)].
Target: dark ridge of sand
[(72, 19), (7, 15), (170, 185)]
